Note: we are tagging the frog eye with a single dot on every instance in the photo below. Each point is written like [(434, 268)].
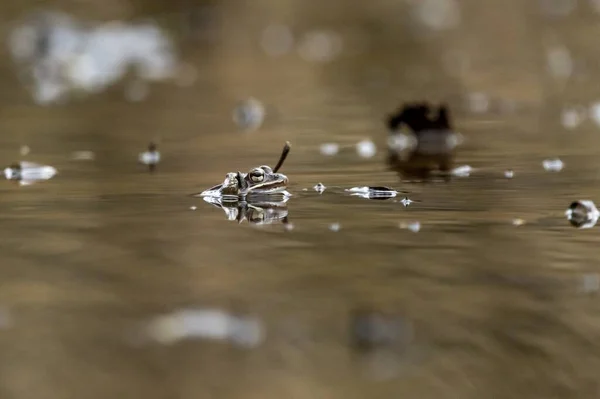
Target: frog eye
[(257, 175)]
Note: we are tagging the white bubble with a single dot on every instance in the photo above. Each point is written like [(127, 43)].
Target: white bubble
[(366, 149), (462, 171), (509, 174), (329, 149), (553, 165), (335, 227)]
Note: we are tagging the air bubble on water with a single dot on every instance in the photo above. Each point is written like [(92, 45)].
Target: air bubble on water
[(509, 173), (366, 149), (320, 187), (24, 150), (193, 208), (277, 40), (249, 114), (335, 227), (582, 214), (553, 165), (329, 149)]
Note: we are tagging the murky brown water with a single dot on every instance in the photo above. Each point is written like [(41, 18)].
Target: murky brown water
[(497, 309)]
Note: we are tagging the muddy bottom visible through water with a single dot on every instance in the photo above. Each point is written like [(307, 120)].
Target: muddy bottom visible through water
[(494, 282)]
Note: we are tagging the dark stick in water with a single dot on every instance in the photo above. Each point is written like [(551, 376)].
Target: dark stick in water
[(284, 154)]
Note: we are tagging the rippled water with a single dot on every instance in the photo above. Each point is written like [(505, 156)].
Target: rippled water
[(498, 309)]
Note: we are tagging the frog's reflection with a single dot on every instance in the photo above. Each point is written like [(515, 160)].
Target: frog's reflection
[(428, 146), (260, 211)]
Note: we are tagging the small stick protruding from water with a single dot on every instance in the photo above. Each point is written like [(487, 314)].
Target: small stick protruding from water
[(284, 154)]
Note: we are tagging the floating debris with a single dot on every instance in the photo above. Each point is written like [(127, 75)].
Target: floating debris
[(319, 187), (582, 214), (412, 226), (27, 173), (509, 174), (381, 193), (83, 156), (366, 149), (406, 201), (151, 158), (553, 165), (208, 324), (249, 114), (335, 227), (329, 149), (462, 171), (371, 329)]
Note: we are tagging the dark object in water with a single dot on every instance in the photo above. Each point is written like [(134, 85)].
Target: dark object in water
[(371, 329), (582, 214), (429, 146)]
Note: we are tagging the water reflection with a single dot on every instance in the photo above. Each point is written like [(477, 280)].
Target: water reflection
[(428, 146), (260, 211)]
